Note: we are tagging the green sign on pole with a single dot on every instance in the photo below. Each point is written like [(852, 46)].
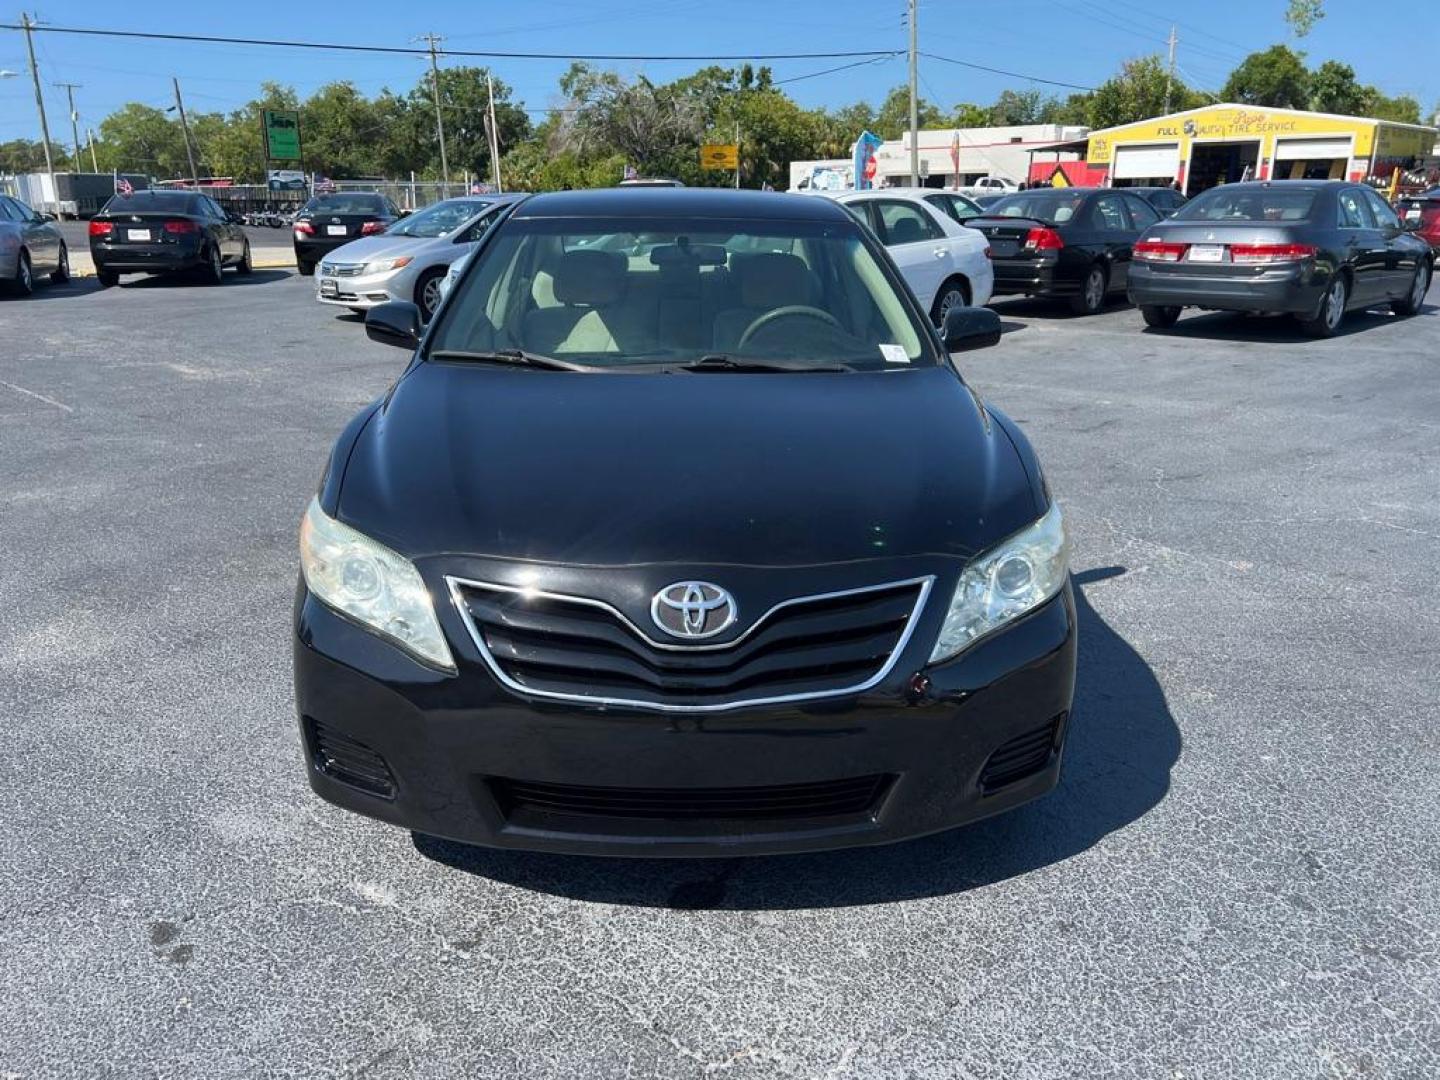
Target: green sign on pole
[(282, 134)]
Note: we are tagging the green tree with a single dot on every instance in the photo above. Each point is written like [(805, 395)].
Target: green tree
[(969, 115), (1137, 92), (1017, 107), (647, 124), (1275, 77), (893, 119), (1302, 15), (140, 138), (1333, 89), (25, 155), (1403, 109)]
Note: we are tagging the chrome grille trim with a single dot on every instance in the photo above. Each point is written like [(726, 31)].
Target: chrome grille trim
[(334, 269), (457, 598)]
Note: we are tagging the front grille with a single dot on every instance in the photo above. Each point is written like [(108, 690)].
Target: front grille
[(580, 650), (348, 760), (331, 269), (828, 799), (1021, 756)]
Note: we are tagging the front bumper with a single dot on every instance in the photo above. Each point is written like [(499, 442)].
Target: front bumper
[(362, 290), (1294, 288), (444, 755)]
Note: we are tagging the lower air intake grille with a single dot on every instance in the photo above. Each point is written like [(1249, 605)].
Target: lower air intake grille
[(831, 798), (1021, 756), (349, 761)]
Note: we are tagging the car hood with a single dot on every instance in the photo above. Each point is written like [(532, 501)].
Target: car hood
[(371, 248), (698, 469)]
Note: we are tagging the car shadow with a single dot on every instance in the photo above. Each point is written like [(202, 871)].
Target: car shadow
[(47, 290), (172, 281), (1030, 307), (1282, 329), (1122, 745)]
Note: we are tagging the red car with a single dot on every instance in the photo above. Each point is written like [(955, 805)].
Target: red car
[(1423, 208)]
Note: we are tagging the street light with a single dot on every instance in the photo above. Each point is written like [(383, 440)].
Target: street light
[(6, 73)]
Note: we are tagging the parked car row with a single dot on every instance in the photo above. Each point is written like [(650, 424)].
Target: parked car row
[(1312, 249)]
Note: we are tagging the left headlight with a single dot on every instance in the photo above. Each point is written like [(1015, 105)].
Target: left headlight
[(1015, 576), (384, 266), (372, 584)]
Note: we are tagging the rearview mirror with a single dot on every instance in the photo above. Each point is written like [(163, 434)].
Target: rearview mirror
[(970, 328), (396, 322)]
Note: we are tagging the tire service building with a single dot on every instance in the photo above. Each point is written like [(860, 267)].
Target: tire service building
[(1223, 144)]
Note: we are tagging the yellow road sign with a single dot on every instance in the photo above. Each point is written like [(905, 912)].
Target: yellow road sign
[(1058, 178), (719, 156)]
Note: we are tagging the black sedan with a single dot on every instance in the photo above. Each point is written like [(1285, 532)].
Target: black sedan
[(328, 221), (1164, 199), (159, 232), (705, 548), (1070, 243), (1311, 248)]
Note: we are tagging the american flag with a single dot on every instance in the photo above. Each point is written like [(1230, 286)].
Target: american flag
[(124, 187)]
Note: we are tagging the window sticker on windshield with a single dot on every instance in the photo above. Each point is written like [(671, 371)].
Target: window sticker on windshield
[(894, 354)]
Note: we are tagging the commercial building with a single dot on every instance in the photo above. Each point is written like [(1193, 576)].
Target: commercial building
[(971, 152), (1219, 144)]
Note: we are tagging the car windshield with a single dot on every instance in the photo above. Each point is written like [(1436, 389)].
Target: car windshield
[(439, 220), (1051, 207), (156, 202), (346, 204), (1228, 203), (635, 293)]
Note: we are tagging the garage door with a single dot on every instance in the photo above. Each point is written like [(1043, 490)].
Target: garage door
[(1312, 149), (1146, 162)]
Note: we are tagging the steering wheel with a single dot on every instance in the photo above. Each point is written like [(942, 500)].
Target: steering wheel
[(790, 311)]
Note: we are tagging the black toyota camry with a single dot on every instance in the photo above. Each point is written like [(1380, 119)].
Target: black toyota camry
[(681, 533)]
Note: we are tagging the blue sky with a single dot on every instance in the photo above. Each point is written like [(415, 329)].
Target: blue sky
[(1075, 41)]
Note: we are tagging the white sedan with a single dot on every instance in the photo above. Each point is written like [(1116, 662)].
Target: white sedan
[(945, 264)]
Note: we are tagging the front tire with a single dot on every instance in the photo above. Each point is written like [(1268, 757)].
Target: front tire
[(1162, 317), (61, 274), (1092, 292), (1332, 309), (1415, 299), (954, 293), (427, 292)]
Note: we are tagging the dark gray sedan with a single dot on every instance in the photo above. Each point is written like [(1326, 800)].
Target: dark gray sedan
[(30, 245), (1313, 249)]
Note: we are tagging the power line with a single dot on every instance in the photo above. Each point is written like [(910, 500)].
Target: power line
[(406, 51), (1007, 74), (831, 71)]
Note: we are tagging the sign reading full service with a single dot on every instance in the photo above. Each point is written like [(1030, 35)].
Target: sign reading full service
[(282, 134), (1225, 124)]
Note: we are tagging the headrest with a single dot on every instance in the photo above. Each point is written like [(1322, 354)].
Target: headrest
[(590, 277), (904, 231), (774, 279)]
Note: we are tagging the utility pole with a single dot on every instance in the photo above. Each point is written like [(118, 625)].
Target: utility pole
[(70, 88), (494, 134), (185, 127), (914, 97), (434, 40), (40, 104), (737, 155), (94, 164), (1170, 75)]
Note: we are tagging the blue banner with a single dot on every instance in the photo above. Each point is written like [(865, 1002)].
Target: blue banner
[(865, 147)]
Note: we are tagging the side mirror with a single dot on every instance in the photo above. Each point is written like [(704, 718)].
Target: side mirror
[(1410, 224), (45, 215), (969, 328), (396, 322)]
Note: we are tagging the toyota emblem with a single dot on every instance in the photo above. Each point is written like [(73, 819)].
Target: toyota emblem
[(693, 609)]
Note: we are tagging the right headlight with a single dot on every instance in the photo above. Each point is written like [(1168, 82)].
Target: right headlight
[(1015, 576), (375, 586)]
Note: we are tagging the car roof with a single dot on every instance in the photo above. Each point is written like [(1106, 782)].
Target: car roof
[(640, 201), (1290, 185)]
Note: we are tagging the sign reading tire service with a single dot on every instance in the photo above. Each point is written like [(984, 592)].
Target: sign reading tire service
[(282, 134)]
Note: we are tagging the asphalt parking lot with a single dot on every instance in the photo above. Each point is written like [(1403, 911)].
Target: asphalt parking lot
[(1239, 875)]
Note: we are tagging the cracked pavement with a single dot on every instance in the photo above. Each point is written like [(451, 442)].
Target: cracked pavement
[(1239, 876)]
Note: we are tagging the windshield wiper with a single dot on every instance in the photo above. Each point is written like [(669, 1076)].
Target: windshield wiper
[(725, 362), (518, 357)]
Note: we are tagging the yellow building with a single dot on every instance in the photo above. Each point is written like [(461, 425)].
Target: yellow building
[(1219, 144)]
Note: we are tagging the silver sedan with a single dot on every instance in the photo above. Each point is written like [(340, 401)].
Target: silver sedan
[(408, 261), (30, 245)]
